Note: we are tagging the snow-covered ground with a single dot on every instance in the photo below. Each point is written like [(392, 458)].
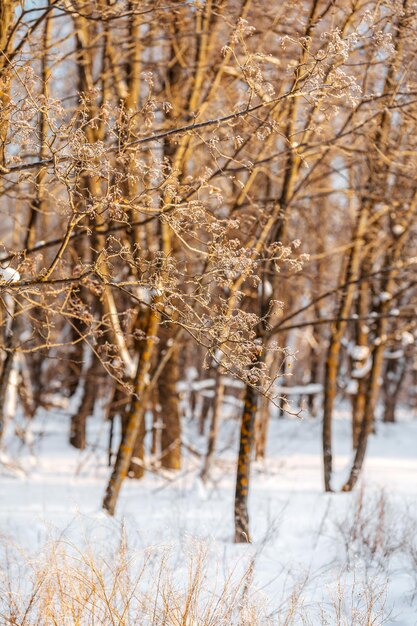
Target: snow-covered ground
[(322, 558)]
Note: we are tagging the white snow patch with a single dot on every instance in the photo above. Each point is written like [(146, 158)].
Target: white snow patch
[(352, 387), (144, 294), (385, 296), (265, 289), (362, 371), (394, 354), (9, 274), (301, 535), (407, 338), (398, 229), (359, 353)]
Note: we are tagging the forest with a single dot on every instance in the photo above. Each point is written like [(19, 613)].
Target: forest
[(208, 251)]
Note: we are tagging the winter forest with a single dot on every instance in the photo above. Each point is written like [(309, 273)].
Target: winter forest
[(208, 252)]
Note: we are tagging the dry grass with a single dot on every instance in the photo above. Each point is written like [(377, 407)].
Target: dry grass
[(376, 532), (69, 587), (162, 586)]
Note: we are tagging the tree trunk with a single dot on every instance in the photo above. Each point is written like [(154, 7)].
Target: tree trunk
[(389, 409), (78, 435), (358, 408), (135, 418), (156, 423), (391, 261), (4, 384), (262, 421), (262, 428), (332, 360), (393, 379), (362, 339), (366, 425), (314, 377), (9, 323), (214, 425), (206, 405), (242, 534), (137, 467), (168, 399)]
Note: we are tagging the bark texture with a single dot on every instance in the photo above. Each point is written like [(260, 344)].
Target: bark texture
[(242, 534)]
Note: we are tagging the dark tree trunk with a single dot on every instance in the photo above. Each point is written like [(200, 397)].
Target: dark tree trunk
[(314, 377), (393, 379), (136, 467), (214, 425), (168, 399), (4, 383), (78, 435), (207, 404), (242, 534)]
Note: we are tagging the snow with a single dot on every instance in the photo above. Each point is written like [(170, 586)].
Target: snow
[(398, 229), (352, 387), (393, 354), (302, 390), (144, 294), (407, 338), (359, 353), (307, 545), (9, 274), (362, 370), (385, 296), (208, 383), (265, 289)]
